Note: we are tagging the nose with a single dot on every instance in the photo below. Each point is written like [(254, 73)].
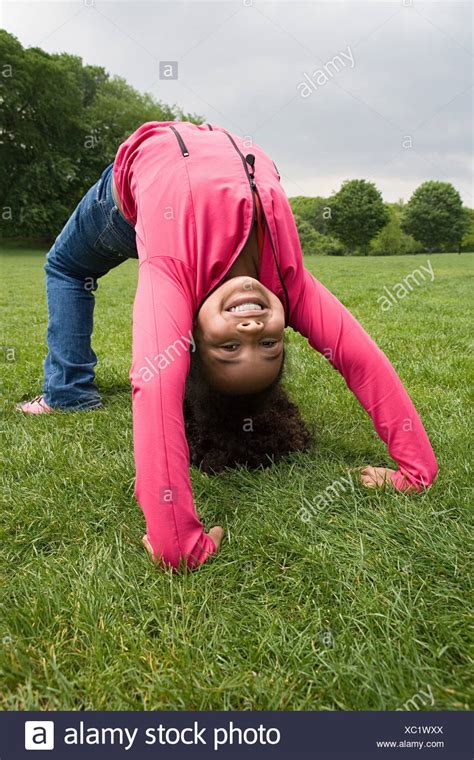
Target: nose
[(251, 326)]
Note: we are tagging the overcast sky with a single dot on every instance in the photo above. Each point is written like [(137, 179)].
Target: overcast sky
[(330, 90)]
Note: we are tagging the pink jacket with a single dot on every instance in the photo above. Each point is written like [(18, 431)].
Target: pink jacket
[(188, 191)]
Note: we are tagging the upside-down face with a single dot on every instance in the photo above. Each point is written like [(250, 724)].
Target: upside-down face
[(239, 334)]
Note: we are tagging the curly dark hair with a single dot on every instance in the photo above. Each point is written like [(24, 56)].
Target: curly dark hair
[(253, 430)]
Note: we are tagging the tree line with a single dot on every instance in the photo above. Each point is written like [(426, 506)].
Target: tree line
[(355, 220), (62, 122)]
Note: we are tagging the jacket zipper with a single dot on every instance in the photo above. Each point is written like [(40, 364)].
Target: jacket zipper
[(254, 212), (180, 140), (287, 301), (250, 177)]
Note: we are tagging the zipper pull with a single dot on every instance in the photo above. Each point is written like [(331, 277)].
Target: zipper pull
[(250, 158)]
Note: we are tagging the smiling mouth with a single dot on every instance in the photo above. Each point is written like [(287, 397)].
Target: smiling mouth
[(246, 305), (246, 308)]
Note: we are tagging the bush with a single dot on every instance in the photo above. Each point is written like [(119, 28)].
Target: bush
[(391, 240), (326, 245), (315, 244)]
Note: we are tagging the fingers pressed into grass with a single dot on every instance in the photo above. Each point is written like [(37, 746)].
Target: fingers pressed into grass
[(216, 533), (156, 559), (376, 477)]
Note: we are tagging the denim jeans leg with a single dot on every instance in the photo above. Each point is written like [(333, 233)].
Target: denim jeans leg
[(95, 240), (70, 362)]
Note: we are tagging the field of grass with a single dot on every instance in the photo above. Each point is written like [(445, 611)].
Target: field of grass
[(365, 607)]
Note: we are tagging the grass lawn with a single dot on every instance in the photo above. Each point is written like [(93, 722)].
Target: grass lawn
[(364, 607)]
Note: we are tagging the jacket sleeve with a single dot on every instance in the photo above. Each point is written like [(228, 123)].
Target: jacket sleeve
[(162, 341), (334, 332)]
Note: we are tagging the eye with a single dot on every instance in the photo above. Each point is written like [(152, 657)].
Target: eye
[(230, 346), (268, 343)]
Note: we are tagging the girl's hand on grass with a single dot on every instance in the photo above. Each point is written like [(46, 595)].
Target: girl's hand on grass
[(215, 534), (156, 559), (375, 477)]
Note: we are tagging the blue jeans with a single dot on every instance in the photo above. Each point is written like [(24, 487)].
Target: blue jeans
[(96, 239)]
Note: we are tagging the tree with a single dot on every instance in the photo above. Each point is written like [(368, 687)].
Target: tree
[(467, 243), (39, 126), (62, 123), (357, 213), (434, 216)]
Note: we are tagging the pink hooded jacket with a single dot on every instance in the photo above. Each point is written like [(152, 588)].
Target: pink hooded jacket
[(188, 190)]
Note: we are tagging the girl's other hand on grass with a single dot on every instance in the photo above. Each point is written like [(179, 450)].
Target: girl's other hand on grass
[(375, 477), (216, 533), (156, 559)]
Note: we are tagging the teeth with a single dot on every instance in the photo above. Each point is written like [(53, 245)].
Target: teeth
[(246, 307)]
